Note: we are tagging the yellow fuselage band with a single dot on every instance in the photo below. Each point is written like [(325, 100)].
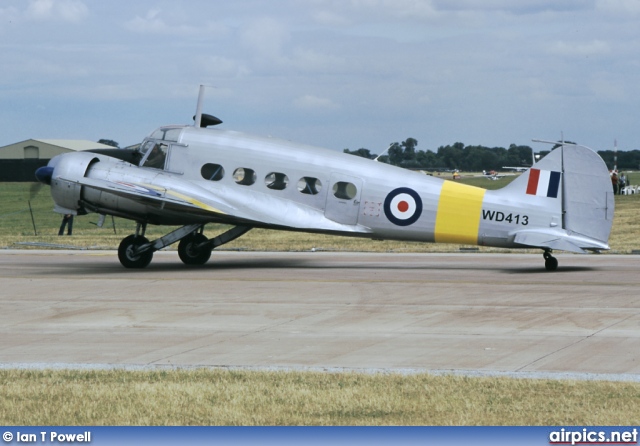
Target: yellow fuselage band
[(459, 210)]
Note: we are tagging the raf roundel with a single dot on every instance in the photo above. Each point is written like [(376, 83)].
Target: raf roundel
[(403, 206)]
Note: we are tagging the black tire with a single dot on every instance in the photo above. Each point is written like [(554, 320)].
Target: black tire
[(126, 256), (551, 263), (190, 254)]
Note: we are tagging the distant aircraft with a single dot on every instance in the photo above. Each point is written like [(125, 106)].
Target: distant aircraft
[(191, 175), (517, 169), (492, 175)]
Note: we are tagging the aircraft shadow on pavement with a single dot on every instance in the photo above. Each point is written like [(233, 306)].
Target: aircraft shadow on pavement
[(541, 270), (109, 266)]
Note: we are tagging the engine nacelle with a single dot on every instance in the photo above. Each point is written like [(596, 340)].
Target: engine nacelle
[(66, 192)]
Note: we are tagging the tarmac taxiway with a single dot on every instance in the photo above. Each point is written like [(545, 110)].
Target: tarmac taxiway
[(476, 313)]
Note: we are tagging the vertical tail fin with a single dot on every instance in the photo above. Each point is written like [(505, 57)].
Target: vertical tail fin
[(579, 181)]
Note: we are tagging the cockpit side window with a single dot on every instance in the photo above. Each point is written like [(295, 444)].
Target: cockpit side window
[(145, 149), (155, 154)]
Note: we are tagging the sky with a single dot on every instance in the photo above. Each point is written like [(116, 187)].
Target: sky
[(330, 73)]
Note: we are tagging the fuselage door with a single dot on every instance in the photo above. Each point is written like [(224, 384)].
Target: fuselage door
[(343, 199)]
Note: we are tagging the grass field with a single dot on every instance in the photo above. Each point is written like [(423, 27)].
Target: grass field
[(223, 397)]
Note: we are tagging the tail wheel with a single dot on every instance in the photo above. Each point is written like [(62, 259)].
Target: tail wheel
[(127, 255), (189, 251), (551, 263)]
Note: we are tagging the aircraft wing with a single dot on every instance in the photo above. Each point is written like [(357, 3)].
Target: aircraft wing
[(153, 195), (557, 240), (233, 207)]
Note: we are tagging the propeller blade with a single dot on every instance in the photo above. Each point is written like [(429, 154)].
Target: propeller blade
[(34, 189)]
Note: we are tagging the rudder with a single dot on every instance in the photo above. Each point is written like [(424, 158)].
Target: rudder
[(589, 201)]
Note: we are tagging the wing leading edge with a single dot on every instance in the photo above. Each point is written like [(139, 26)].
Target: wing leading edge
[(150, 194), (263, 211)]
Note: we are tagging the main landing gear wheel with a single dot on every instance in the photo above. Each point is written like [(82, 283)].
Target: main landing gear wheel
[(127, 255), (190, 253), (550, 262)]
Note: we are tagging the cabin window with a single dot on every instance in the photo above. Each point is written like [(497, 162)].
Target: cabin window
[(309, 185), (276, 181), (156, 156), (244, 176), (212, 172), (344, 190)]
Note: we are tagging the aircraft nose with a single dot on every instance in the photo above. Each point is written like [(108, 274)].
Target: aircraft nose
[(44, 174)]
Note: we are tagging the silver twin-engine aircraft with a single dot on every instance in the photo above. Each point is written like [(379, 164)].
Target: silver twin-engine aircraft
[(191, 175)]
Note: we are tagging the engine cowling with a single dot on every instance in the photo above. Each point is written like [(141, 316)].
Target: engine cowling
[(68, 169)]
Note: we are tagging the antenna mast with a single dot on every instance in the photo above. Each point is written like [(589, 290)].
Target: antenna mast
[(385, 151), (198, 118)]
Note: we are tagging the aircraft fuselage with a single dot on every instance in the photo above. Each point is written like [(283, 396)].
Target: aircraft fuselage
[(192, 176)]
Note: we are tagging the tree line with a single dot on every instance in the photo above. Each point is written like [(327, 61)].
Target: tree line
[(477, 158)]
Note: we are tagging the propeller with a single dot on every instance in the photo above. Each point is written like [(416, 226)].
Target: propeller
[(43, 175)]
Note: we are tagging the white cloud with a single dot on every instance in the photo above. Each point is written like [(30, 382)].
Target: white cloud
[(607, 88), (65, 10), (419, 9), (580, 49), (619, 6), (264, 36), (514, 7), (351, 12), (311, 102), (153, 23), (316, 62), (330, 18), (8, 14), (219, 66), (359, 10)]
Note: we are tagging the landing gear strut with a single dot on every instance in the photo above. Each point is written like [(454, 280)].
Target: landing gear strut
[(550, 262), (136, 251)]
